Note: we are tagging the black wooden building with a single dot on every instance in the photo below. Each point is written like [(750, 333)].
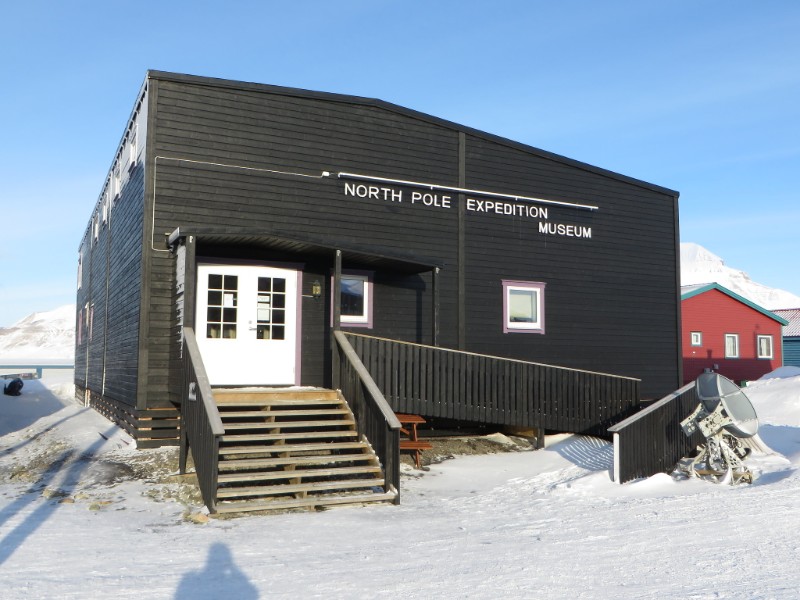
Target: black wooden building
[(241, 226)]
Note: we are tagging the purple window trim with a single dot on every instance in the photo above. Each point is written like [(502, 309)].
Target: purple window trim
[(530, 285), (298, 332), (370, 290)]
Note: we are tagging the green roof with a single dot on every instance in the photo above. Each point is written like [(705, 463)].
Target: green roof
[(689, 291)]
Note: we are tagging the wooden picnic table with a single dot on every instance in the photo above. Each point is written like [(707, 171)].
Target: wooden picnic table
[(412, 443)]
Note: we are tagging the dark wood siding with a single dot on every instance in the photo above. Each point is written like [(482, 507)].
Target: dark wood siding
[(82, 300), (611, 301), (124, 290), (247, 129), (106, 360)]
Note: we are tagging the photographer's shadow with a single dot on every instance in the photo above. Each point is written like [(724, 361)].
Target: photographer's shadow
[(219, 578)]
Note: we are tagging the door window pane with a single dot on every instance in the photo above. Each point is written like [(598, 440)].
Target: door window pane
[(271, 308), (222, 306)]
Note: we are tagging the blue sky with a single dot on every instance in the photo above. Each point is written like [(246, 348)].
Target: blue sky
[(700, 97)]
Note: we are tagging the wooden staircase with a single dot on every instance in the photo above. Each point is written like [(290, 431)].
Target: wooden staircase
[(287, 449)]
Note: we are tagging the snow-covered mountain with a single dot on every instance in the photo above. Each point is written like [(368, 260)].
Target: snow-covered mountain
[(42, 335), (698, 265)]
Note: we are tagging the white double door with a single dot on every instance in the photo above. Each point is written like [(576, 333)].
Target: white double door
[(246, 324)]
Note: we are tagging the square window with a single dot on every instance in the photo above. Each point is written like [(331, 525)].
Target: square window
[(356, 299), (731, 345), (523, 307), (764, 343), (697, 338)]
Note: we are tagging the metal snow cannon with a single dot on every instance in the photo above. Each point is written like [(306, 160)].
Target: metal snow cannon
[(724, 417)]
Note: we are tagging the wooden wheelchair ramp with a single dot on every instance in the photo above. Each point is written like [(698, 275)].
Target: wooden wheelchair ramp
[(293, 449)]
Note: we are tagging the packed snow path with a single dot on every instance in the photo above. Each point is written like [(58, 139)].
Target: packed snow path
[(547, 523)]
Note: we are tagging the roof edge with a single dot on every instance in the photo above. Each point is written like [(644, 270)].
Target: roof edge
[(366, 101), (702, 289)]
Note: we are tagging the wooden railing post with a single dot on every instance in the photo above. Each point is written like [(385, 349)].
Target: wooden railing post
[(337, 320)]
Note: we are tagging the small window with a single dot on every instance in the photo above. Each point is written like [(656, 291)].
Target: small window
[(731, 345), (356, 299), (697, 338), (132, 147), (117, 180), (764, 346), (523, 307), (80, 268)]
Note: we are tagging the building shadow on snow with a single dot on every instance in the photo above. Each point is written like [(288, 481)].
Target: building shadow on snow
[(62, 477), (219, 578), (35, 402)]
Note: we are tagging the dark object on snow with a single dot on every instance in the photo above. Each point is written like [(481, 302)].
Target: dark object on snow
[(14, 388)]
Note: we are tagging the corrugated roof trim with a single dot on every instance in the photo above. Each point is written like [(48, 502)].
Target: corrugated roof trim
[(793, 316)]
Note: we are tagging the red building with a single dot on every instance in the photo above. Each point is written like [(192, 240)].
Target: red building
[(728, 334)]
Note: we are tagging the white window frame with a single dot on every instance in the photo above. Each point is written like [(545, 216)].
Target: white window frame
[(132, 147), (80, 268), (537, 287), (117, 178), (696, 338), (771, 353), (363, 320), (734, 337)]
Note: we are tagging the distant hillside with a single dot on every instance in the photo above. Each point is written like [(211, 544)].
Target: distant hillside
[(698, 265), (43, 335)]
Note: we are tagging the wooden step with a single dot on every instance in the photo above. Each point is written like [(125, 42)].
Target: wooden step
[(311, 412), (265, 437), (292, 448), (316, 501), (296, 488), (288, 425), (319, 459), (297, 474), (227, 396)]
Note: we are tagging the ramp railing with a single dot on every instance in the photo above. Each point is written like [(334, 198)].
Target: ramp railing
[(652, 441), (453, 384)]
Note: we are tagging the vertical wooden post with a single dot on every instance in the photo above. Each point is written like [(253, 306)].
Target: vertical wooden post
[(189, 304), (462, 258), (337, 292), (337, 319), (435, 316), (190, 284)]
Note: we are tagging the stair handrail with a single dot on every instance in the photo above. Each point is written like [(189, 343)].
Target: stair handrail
[(383, 430), (201, 424), (377, 395)]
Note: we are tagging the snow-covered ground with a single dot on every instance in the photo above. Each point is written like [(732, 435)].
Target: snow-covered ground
[(77, 522)]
